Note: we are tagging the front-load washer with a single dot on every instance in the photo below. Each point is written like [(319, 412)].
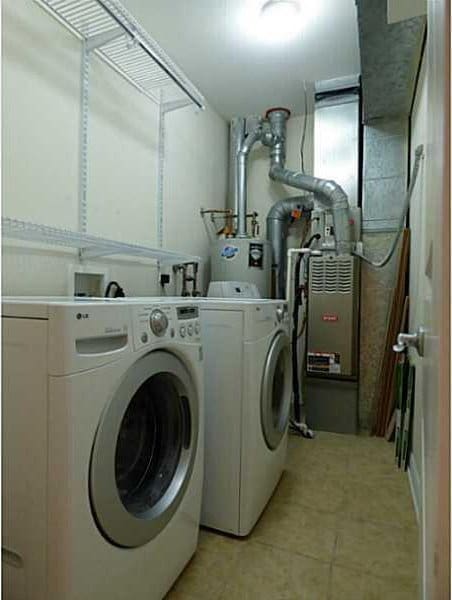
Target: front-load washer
[(102, 448), (248, 384)]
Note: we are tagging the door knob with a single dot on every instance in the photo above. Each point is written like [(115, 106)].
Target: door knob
[(410, 340)]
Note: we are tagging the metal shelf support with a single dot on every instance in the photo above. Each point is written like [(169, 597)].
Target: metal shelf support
[(83, 154)]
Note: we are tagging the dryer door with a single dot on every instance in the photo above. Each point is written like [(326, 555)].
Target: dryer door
[(144, 450), (276, 391)]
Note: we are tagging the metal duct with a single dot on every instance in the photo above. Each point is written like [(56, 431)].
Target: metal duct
[(236, 137), (327, 192), (242, 158), (277, 230)]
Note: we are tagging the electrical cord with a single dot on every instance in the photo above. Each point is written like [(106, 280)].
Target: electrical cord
[(305, 122), (119, 292), (384, 261)]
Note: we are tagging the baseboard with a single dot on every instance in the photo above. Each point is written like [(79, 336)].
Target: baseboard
[(415, 486)]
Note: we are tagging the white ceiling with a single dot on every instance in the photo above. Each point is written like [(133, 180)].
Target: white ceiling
[(214, 43)]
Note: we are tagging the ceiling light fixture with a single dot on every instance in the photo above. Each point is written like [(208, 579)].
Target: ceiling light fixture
[(276, 22), (280, 18)]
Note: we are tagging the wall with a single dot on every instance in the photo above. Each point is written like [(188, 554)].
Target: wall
[(41, 111), (384, 188)]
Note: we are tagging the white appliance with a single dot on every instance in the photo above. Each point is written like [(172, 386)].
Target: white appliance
[(248, 385), (232, 289), (102, 447), (243, 259)]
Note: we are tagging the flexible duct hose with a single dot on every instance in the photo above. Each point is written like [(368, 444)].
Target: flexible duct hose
[(384, 261)]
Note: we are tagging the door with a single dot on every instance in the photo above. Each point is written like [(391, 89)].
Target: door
[(430, 305), (276, 389), (144, 450)]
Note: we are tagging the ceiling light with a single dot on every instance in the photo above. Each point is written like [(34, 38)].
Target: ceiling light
[(276, 22), (280, 18)]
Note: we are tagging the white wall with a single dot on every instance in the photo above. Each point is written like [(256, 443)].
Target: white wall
[(41, 111)]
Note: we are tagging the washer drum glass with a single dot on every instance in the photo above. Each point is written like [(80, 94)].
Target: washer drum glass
[(276, 391), (144, 450)]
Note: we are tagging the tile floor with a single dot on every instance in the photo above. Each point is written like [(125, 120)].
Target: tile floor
[(340, 526)]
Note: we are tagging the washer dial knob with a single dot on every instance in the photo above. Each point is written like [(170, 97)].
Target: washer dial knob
[(158, 322)]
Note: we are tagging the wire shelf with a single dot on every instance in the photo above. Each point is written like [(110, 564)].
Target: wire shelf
[(90, 246), (119, 40)]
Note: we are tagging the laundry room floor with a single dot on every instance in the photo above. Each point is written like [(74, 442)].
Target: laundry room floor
[(340, 526)]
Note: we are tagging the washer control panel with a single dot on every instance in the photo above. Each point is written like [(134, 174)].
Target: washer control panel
[(163, 322)]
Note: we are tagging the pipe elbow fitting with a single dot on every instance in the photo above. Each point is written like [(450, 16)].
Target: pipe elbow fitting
[(275, 172)]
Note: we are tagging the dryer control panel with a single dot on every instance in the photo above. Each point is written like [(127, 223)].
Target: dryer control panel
[(163, 322)]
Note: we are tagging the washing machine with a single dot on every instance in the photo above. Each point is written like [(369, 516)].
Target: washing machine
[(102, 447), (248, 385)]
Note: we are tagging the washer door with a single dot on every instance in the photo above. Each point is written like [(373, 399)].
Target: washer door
[(144, 450), (276, 391)]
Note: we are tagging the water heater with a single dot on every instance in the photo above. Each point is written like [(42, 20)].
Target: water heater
[(243, 259)]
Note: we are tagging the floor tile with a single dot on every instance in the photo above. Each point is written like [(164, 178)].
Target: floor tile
[(322, 442), (340, 526), (324, 463), (312, 490), (297, 529), (367, 467), (215, 541), (379, 550), (206, 575), (174, 594), (347, 584), (266, 573), (380, 498)]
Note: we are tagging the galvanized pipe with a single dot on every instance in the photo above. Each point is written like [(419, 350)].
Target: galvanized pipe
[(277, 230), (236, 138), (242, 158), (327, 192)]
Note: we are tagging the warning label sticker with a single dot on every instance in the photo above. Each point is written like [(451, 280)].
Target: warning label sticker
[(324, 362)]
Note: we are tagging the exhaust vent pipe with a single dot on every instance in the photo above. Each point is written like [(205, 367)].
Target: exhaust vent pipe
[(241, 191), (327, 192), (278, 220)]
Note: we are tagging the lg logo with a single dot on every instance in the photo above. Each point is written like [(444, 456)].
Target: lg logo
[(82, 316)]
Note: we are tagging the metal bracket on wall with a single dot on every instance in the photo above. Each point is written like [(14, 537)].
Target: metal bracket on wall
[(160, 172), (83, 159), (89, 44), (164, 108)]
